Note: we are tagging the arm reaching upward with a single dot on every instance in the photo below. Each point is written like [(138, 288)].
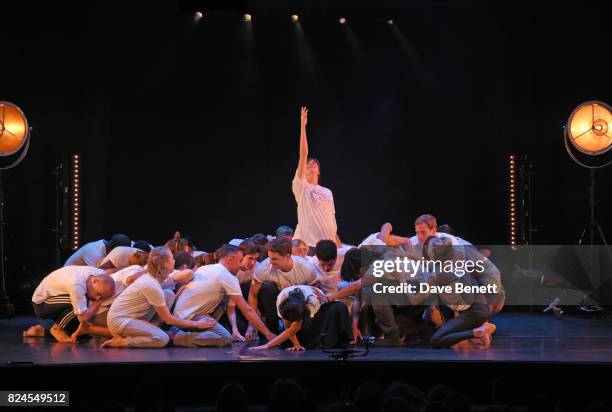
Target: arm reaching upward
[(301, 169)]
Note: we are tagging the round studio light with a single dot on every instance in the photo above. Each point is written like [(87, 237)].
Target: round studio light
[(588, 128), (342, 20), (247, 17), (197, 16), (14, 130), (294, 18)]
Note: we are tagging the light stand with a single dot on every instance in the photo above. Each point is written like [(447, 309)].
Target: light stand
[(14, 138), (589, 132)]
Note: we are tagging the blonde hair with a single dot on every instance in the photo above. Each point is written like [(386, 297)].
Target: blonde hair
[(156, 265)]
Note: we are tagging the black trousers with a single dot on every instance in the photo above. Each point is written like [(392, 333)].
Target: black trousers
[(331, 326), (461, 327), (57, 310), (266, 302)]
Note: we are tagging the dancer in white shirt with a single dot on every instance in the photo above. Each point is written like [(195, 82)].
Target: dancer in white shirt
[(315, 203), (132, 316)]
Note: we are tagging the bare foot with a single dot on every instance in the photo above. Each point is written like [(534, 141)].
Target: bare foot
[(490, 327), (36, 330), (59, 334), (116, 342), (483, 335)]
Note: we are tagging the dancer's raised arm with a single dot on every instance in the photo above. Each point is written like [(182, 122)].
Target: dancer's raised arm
[(301, 169)]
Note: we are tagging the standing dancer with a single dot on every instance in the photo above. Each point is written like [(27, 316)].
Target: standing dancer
[(315, 203)]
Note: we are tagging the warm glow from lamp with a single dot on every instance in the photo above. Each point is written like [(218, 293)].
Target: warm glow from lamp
[(588, 128)]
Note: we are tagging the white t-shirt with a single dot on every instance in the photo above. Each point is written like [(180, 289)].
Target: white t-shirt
[(312, 301), (372, 240), (67, 280), (120, 256), (90, 254), (120, 277), (328, 281), (205, 292), (316, 212), (302, 273), (135, 302), (453, 239)]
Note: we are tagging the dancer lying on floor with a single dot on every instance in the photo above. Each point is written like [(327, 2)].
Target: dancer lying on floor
[(309, 323), (199, 299), (61, 300), (136, 314)]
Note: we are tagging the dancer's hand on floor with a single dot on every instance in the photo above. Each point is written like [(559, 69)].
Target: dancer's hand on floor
[(251, 333), (81, 330), (298, 348), (261, 347), (237, 337)]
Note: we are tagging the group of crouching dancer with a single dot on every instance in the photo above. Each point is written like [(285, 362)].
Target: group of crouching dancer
[(283, 297)]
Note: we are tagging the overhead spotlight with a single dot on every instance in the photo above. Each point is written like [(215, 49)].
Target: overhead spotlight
[(294, 18), (247, 17), (197, 16), (342, 20), (390, 22)]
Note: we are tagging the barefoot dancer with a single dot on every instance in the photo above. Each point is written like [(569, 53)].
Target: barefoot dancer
[(132, 315), (61, 300)]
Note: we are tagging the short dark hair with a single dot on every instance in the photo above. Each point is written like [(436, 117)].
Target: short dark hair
[(249, 247), (184, 258), (446, 229), (260, 239), (226, 250), (284, 231), (326, 250), (280, 245), (142, 245), (351, 266), (119, 240)]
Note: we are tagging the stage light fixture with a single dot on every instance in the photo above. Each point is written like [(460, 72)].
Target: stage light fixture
[(294, 18), (247, 17), (587, 138), (390, 22), (342, 20), (197, 16), (588, 128)]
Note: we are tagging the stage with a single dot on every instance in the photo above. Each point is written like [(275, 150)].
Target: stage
[(520, 338), (532, 353)]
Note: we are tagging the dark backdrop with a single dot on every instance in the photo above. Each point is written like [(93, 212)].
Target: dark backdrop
[(195, 127)]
